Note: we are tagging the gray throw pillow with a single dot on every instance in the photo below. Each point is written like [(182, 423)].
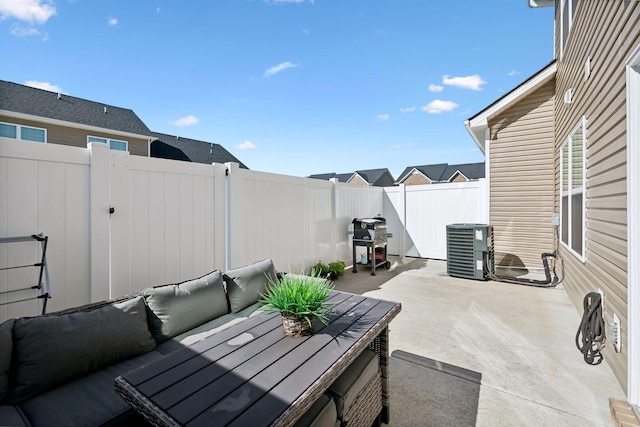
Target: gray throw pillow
[(245, 284), (175, 309), (6, 347), (55, 349)]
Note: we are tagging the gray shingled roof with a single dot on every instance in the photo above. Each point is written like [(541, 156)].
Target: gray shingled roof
[(190, 150), (433, 172), (469, 170), (380, 177), (43, 103), (324, 176), (443, 172)]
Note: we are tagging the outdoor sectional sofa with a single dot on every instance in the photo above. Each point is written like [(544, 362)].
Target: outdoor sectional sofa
[(59, 369)]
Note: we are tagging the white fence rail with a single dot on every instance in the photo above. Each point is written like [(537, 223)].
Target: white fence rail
[(119, 223)]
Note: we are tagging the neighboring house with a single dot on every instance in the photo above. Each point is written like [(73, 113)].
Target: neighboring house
[(419, 175), (442, 172), (371, 177), (42, 116), (577, 125), (464, 172), (190, 150)]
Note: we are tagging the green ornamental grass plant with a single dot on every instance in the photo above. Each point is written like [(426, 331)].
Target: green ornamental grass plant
[(299, 296)]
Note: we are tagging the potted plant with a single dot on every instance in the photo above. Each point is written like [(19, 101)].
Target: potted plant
[(299, 299), (336, 269), (320, 269)]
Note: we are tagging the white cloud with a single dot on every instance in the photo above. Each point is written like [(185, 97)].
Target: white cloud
[(112, 22), (20, 31), (185, 121), (438, 106), (44, 85), (247, 145), (278, 68), (513, 73), (289, 1), (408, 110), (382, 117), (436, 88), (473, 82), (32, 11)]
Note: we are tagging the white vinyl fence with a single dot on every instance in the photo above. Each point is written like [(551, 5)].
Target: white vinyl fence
[(119, 223), (418, 215)]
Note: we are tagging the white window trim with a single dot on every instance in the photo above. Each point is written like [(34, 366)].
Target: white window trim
[(633, 227), (583, 256), (108, 141), (19, 132), (572, 13)]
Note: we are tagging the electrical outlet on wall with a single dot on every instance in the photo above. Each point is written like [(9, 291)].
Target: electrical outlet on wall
[(616, 333)]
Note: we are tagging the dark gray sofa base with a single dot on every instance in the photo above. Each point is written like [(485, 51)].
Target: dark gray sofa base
[(73, 384)]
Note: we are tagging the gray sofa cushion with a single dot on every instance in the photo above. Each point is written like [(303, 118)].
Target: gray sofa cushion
[(245, 284), (351, 382), (321, 414), (44, 346), (6, 344), (199, 333), (88, 401), (177, 308), (11, 415)]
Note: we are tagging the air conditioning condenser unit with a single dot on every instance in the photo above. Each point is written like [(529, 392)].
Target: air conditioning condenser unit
[(469, 250)]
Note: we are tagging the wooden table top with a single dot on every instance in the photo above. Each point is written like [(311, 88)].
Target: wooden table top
[(251, 374)]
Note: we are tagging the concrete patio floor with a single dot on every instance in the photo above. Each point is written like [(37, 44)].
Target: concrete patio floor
[(519, 338)]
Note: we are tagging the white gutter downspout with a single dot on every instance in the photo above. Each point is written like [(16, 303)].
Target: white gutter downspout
[(487, 171), (633, 228)]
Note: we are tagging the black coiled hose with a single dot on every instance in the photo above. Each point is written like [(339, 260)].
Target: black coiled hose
[(591, 330)]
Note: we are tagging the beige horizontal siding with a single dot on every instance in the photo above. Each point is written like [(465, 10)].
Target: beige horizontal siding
[(416, 179), (605, 31), (78, 137), (521, 179)]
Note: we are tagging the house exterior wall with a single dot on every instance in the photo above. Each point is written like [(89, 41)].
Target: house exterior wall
[(357, 181), (78, 137), (521, 176), (459, 178), (416, 179), (606, 32)]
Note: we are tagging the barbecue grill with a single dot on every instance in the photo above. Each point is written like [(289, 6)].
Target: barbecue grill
[(372, 234)]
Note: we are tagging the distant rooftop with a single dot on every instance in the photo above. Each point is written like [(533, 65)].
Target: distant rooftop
[(17, 99), (190, 150)]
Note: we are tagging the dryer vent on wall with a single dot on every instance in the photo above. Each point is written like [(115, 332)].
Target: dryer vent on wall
[(468, 247)]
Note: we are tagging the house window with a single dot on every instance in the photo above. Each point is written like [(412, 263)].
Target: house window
[(32, 134), (27, 133), (572, 189), (114, 144), (567, 12), (8, 131)]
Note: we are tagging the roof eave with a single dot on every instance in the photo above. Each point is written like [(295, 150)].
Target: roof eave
[(74, 125), (478, 124), (534, 4)]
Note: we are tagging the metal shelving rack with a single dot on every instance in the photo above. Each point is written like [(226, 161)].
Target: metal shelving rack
[(43, 288)]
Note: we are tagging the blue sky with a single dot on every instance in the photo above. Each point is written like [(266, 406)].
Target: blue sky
[(290, 86)]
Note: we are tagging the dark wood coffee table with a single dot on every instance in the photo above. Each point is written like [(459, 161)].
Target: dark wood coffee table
[(251, 374)]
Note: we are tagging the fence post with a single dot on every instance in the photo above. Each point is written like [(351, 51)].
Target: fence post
[(403, 242), (231, 189), (219, 209), (99, 204), (334, 220)]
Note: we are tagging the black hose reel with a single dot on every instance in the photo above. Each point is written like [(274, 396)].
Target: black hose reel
[(590, 337)]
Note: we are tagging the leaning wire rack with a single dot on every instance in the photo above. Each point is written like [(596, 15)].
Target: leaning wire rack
[(42, 288)]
